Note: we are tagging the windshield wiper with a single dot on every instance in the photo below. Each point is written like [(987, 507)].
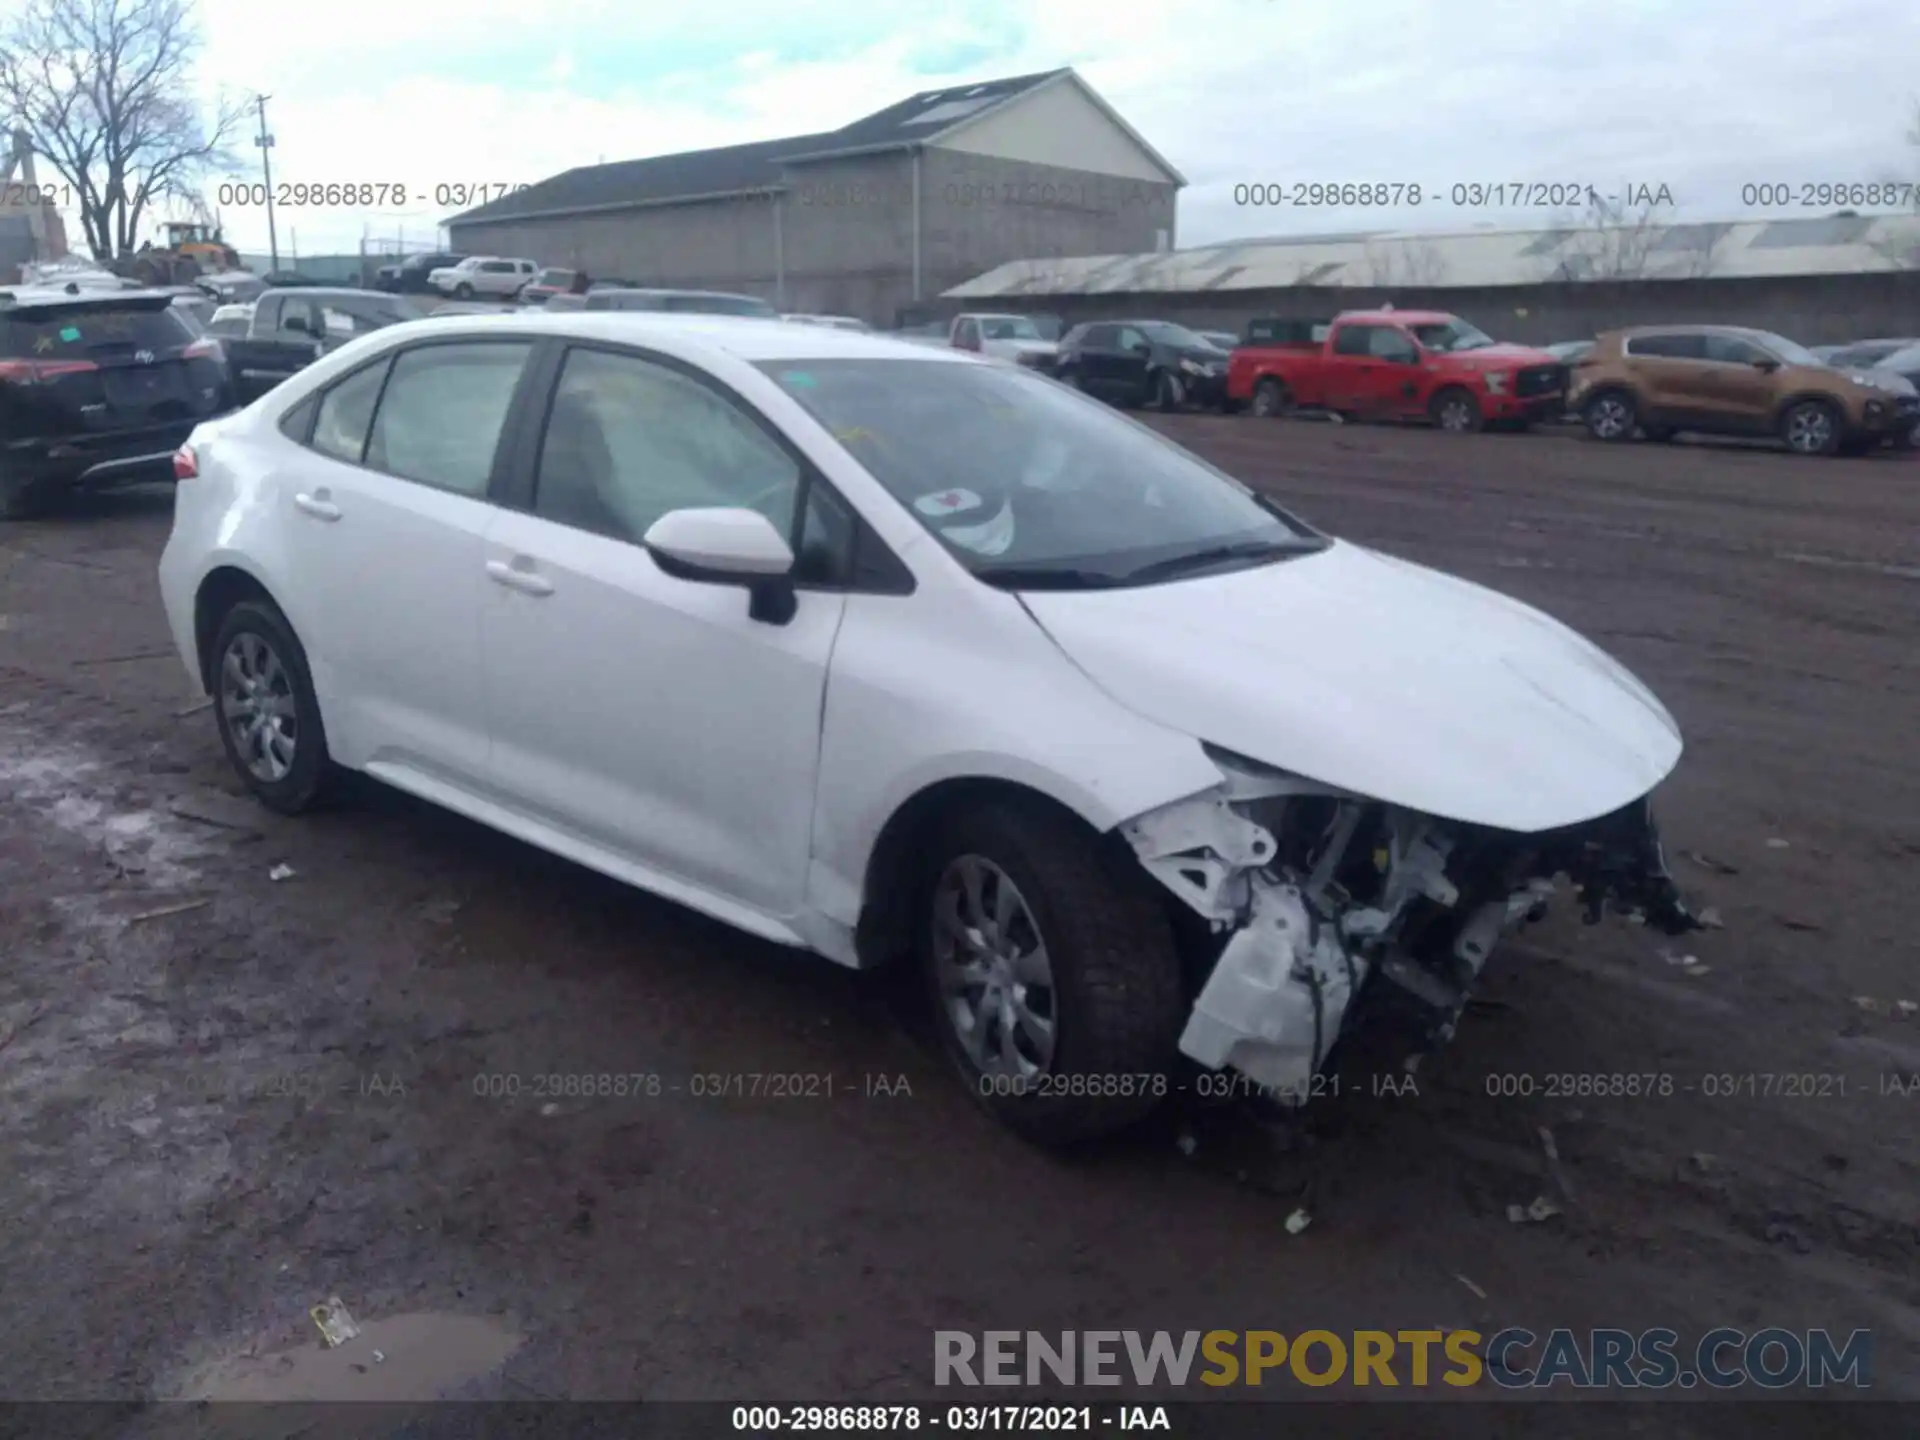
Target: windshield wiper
[(1048, 577), (1222, 555)]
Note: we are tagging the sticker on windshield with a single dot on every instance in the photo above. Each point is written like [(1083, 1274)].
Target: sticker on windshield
[(943, 503), (797, 379), (70, 332)]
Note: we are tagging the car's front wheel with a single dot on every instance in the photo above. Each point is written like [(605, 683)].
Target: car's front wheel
[(1455, 410), (1610, 416), (463, 291), (268, 715), (1811, 427), (1054, 977)]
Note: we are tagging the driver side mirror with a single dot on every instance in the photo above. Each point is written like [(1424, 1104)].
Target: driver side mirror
[(728, 546)]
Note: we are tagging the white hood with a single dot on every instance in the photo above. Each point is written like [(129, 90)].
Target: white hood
[(1380, 677)]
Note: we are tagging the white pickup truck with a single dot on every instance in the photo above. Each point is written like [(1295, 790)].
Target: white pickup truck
[(1013, 338)]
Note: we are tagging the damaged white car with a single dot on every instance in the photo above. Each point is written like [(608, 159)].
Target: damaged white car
[(882, 651)]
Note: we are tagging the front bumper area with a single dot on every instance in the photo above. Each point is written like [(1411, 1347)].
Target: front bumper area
[(1340, 915)]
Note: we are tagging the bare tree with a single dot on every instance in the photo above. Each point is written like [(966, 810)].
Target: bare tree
[(1405, 264), (104, 90), (1611, 240)]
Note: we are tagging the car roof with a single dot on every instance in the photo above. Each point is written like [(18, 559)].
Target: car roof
[(324, 291), (1394, 317), (1742, 331), (748, 338), (694, 294), (41, 295)]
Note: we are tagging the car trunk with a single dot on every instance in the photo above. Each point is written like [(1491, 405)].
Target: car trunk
[(89, 364)]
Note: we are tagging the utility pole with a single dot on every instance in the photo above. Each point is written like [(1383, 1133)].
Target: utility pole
[(265, 142)]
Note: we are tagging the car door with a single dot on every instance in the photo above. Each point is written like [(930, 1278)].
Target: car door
[(1665, 370), (966, 335), (391, 494), (281, 341), (1390, 384), (1091, 356), (1735, 392), (1127, 364), (648, 717), (1348, 366)]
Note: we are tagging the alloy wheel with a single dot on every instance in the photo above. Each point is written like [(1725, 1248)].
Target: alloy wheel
[(1608, 418), (1456, 415), (258, 707), (1809, 429), (995, 979)]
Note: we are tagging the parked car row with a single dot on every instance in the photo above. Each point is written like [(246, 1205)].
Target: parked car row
[(1646, 382)]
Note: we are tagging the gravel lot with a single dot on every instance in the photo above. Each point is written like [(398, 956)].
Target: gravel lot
[(218, 1117)]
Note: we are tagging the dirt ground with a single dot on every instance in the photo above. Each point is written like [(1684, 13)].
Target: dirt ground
[(218, 1117)]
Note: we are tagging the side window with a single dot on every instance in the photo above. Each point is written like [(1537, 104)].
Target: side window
[(1387, 343), (628, 440), (1354, 340), (968, 333), (1097, 337), (828, 532), (308, 322), (297, 423), (346, 410), (497, 267), (441, 416), (1667, 347), (1129, 338), (1731, 351)]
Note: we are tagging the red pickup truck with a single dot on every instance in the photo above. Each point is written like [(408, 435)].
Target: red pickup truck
[(1396, 364)]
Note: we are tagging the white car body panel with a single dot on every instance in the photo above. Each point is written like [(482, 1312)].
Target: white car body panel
[(1384, 678), (562, 687)]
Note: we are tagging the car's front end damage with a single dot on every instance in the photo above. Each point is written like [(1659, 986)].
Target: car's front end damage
[(1334, 914)]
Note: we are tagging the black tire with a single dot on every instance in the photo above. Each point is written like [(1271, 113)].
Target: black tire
[(1906, 439), (1455, 410), (308, 775), (1610, 415), (1118, 1004), (463, 291), (1812, 427), (1272, 400)]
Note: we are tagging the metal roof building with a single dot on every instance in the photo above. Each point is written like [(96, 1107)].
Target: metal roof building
[(890, 208), (1827, 245)]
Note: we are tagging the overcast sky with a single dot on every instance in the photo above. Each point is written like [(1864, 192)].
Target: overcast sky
[(1700, 96)]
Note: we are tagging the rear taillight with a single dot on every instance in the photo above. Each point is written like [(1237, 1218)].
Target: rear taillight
[(32, 372), (202, 350), (186, 464)]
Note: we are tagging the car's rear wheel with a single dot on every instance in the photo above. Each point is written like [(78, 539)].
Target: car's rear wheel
[(1455, 410), (264, 703), (1811, 427), (1055, 981), (1272, 399), (1611, 416)]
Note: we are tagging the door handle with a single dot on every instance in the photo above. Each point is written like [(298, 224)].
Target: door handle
[(318, 508), (514, 578)]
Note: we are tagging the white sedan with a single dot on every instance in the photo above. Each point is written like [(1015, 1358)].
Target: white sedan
[(877, 650)]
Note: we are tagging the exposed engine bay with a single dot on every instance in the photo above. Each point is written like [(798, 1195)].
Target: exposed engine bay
[(1333, 908)]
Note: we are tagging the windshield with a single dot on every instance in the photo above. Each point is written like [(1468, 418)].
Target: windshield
[(1451, 335), (386, 310), (1176, 335), (1009, 327), (1788, 350), (1031, 485)]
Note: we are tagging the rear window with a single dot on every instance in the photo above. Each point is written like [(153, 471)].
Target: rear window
[(79, 331), (1287, 332), (720, 305)]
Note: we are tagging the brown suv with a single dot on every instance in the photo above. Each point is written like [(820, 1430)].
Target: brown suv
[(1728, 380)]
